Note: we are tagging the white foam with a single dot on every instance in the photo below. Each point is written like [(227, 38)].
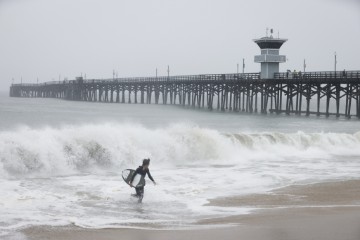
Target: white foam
[(72, 175)]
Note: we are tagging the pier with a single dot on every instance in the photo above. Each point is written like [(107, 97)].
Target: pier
[(269, 91), (310, 93)]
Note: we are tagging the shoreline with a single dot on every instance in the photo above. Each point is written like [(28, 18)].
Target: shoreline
[(326, 224), (329, 211)]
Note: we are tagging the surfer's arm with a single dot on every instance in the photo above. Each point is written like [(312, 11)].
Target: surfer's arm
[(151, 178)]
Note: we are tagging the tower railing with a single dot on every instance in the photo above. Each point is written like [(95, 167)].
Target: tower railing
[(270, 58)]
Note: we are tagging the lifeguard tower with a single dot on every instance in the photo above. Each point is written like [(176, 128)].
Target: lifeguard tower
[(269, 58)]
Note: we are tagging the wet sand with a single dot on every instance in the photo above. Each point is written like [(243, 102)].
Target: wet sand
[(329, 211), (320, 194)]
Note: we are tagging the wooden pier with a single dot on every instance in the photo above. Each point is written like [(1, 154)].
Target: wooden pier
[(310, 93)]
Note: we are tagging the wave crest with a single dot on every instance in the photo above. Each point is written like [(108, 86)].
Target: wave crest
[(73, 149)]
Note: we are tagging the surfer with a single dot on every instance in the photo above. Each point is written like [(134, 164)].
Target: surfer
[(142, 170)]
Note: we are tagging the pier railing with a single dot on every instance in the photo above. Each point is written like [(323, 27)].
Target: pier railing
[(209, 77), (318, 75), (180, 78)]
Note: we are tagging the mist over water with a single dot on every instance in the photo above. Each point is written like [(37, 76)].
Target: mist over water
[(61, 161)]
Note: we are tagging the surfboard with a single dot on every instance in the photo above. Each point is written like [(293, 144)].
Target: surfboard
[(138, 181)]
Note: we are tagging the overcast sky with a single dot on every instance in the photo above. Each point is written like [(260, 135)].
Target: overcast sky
[(47, 38)]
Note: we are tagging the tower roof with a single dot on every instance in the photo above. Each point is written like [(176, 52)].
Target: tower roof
[(270, 42)]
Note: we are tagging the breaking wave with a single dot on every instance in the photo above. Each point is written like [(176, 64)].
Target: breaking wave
[(111, 147)]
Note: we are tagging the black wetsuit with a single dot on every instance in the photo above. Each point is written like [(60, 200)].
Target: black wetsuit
[(140, 170)]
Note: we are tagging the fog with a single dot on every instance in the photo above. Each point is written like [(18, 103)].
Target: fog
[(48, 40)]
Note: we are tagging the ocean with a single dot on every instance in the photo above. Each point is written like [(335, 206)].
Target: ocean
[(61, 161)]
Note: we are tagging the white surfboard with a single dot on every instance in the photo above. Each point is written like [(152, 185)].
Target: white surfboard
[(138, 181)]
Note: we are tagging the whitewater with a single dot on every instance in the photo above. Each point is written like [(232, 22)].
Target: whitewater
[(61, 162)]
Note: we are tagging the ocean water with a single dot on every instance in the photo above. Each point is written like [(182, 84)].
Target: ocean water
[(61, 161)]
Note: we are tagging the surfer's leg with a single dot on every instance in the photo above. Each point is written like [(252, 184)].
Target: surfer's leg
[(140, 192)]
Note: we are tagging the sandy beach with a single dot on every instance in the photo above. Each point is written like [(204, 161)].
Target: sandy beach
[(329, 211)]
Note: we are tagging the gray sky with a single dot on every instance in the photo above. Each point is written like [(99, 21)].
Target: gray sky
[(48, 38)]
